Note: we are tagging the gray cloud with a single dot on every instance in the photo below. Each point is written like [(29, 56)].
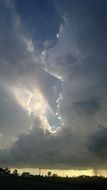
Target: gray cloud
[(58, 150), (79, 59), (12, 117), (82, 40), (23, 80), (89, 106), (97, 143)]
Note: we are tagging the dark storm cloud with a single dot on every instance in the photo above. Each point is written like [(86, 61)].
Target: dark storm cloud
[(82, 36), (89, 106), (78, 57), (55, 150), (98, 143), (86, 30)]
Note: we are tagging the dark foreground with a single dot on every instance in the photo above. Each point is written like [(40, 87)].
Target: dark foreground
[(46, 183)]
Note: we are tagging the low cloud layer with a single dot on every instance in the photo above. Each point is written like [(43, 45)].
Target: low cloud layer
[(59, 150), (54, 98)]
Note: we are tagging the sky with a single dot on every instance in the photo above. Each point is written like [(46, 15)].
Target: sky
[(53, 85)]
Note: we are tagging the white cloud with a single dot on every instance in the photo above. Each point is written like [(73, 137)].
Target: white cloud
[(24, 78), (78, 58)]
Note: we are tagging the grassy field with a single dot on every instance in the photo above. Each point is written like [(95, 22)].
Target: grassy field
[(19, 183)]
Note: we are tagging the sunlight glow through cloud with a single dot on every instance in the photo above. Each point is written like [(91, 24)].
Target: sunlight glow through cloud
[(34, 103)]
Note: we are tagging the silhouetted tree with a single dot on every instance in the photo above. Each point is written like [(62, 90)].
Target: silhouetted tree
[(7, 171), (25, 174), (49, 174), (54, 175), (15, 172), (2, 172)]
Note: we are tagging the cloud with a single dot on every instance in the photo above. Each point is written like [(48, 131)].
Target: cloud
[(79, 59), (12, 117), (89, 106), (58, 150), (97, 144), (41, 20), (27, 89), (69, 87)]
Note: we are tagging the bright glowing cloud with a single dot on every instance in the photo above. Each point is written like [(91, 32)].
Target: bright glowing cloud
[(31, 101)]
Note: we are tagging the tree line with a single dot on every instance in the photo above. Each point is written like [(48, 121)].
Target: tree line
[(54, 178)]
